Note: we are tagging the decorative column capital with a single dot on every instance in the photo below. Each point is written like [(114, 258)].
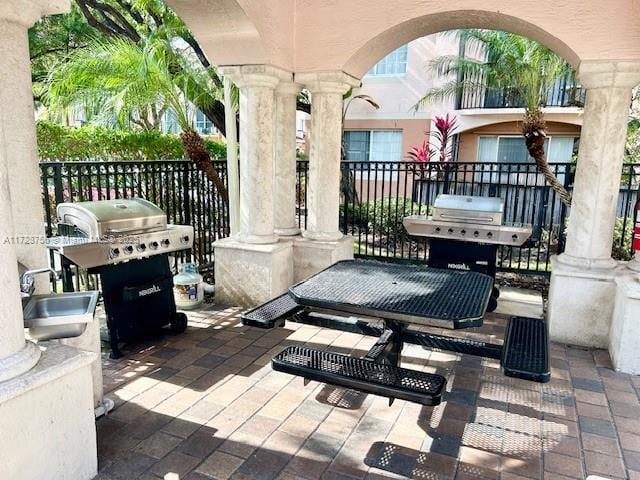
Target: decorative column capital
[(288, 88), (328, 82), (255, 75), (27, 13), (609, 74)]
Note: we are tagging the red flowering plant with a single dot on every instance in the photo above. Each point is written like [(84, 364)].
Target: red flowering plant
[(445, 129), (437, 148), (421, 155)]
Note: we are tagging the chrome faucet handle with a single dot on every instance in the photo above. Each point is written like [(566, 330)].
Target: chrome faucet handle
[(26, 282)]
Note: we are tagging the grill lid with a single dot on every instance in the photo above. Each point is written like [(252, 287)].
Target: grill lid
[(113, 217), (463, 202), (466, 209)]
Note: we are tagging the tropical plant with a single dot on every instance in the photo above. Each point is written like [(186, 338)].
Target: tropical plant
[(347, 181), (445, 129), (510, 63), (348, 98), (437, 148), (135, 21), (421, 153), (137, 83)]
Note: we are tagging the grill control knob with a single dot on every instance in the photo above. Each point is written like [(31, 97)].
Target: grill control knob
[(476, 233), (128, 249), (437, 229), (463, 232), (153, 245), (514, 237), (450, 230), (165, 243), (114, 253), (184, 239), (141, 247), (489, 234)]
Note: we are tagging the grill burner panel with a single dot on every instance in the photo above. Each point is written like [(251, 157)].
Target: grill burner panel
[(423, 226)]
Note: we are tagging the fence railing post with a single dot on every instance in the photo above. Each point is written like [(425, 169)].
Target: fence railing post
[(186, 201)]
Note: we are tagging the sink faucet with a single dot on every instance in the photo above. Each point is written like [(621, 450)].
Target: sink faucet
[(26, 282)]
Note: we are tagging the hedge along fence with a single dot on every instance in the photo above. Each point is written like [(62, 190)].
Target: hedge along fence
[(57, 142)]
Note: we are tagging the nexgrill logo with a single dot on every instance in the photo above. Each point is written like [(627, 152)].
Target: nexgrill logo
[(149, 291)]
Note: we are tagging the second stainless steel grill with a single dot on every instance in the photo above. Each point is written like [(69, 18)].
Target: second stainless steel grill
[(465, 232), (470, 219)]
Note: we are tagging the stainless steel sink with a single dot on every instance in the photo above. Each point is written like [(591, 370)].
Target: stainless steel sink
[(61, 315)]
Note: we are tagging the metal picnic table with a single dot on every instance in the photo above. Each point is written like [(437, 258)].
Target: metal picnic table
[(385, 300)]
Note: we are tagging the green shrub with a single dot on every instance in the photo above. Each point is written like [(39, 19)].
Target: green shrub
[(383, 217), (621, 249), (56, 142)]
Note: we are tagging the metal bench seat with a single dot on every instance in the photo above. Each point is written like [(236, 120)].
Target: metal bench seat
[(361, 374), (525, 353), (271, 314)]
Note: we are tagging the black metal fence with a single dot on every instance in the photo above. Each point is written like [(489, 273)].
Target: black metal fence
[(178, 187), (375, 197)]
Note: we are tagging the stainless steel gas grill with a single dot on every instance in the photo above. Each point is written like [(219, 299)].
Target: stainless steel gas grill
[(465, 232), (127, 243)]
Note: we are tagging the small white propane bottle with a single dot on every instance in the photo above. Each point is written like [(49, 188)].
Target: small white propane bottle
[(188, 287)]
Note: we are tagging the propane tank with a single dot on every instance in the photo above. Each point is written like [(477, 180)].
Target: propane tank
[(188, 287)]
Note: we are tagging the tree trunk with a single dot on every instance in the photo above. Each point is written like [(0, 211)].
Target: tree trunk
[(197, 152), (534, 129)]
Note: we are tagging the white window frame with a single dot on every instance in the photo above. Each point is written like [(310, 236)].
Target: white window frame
[(518, 177), (197, 124), (495, 160), (372, 70), (371, 160)]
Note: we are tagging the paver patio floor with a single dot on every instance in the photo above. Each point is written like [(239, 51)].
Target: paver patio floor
[(206, 404)]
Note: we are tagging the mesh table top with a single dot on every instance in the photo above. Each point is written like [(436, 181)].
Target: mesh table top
[(408, 293)]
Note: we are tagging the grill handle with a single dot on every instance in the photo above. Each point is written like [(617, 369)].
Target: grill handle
[(467, 219)]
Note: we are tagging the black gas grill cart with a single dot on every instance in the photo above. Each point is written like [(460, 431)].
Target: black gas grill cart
[(126, 242)]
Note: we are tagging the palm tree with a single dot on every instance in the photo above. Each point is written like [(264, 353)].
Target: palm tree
[(135, 83), (505, 62), (348, 181)]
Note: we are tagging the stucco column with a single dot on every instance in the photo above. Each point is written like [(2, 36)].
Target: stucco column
[(257, 114), (582, 279), (19, 178), (16, 98), (602, 141), (285, 159), (323, 194)]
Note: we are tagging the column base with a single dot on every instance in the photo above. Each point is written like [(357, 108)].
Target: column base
[(257, 239), (581, 301), (322, 236), (20, 362), (46, 419), (625, 328), (249, 274), (287, 232), (311, 256)]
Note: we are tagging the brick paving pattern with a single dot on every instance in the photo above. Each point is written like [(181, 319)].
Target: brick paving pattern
[(206, 405)]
